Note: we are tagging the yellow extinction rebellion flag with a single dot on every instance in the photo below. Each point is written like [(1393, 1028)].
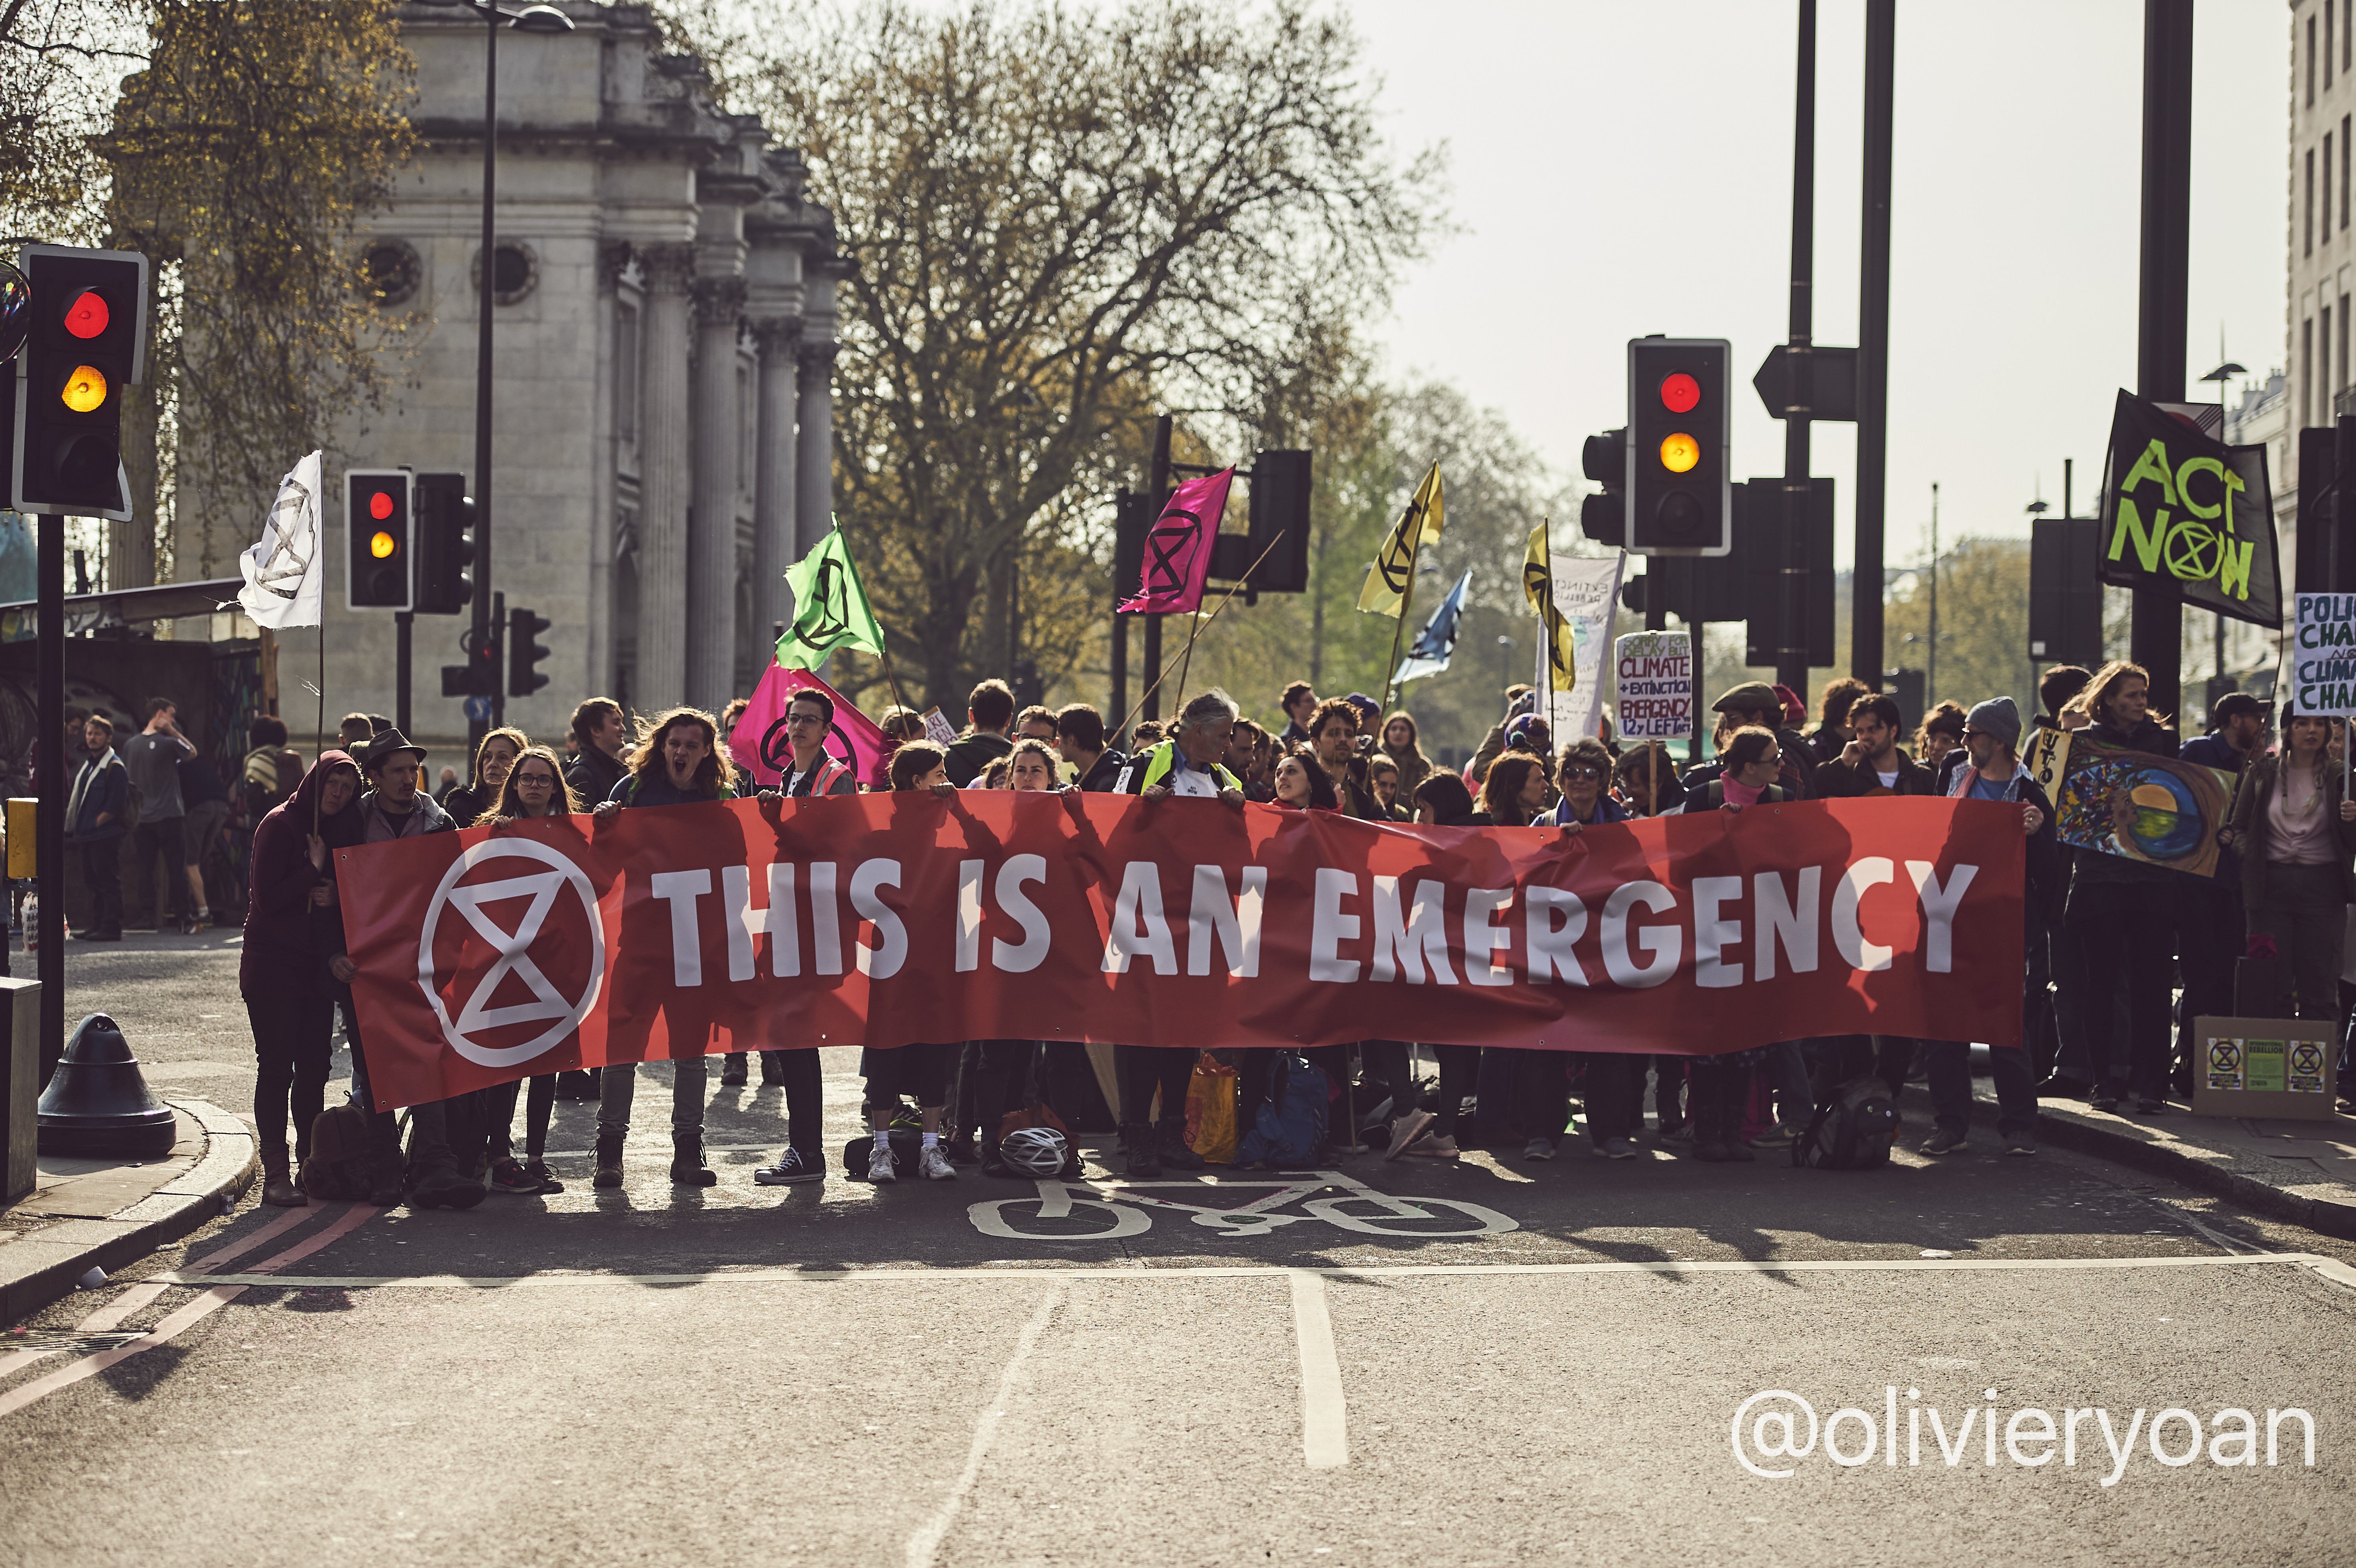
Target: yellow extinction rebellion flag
[(1537, 583), (1394, 569)]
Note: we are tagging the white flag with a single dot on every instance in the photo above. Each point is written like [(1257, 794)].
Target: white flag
[(1586, 594), (282, 570)]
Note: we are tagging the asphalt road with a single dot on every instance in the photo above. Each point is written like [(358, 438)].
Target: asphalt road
[(1486, 1362)]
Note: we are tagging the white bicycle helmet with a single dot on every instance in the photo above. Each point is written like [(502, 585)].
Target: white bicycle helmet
[(1033, 1151)]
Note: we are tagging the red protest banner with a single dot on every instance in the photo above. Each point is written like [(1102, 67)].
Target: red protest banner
[(879, 920)]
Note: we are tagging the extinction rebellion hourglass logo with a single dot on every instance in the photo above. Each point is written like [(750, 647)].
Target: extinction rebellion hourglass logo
[(549, 946)]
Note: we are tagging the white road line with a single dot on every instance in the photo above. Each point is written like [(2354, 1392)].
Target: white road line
[(1324, 1426), (926, 1542), (222, 1292), (1027, 1275)]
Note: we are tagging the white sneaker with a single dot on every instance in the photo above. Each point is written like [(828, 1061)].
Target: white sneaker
[(880, 1166), (933, 1165)]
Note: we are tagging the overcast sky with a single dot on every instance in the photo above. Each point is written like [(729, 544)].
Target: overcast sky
[(1624, 168)]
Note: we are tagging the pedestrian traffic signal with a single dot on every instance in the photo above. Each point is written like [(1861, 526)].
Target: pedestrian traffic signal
[(445, 547), (86, 339), (379, 539), (1680, 431), (525, 652), (1603, 516)]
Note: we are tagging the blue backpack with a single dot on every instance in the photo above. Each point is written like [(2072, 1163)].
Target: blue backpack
[(1291, 1131)]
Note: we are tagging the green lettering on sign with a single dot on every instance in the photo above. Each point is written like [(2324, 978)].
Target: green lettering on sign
[(2146, 545), (2152, 466)]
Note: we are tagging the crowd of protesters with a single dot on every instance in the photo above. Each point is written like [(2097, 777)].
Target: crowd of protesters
[(2105, 938)]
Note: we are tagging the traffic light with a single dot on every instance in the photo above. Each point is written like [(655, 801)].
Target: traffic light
[(479, 676), (379, 539), (86, 341), (1680, 431), (524, 653), (445, 546), (1603, 516), (1278, 497)]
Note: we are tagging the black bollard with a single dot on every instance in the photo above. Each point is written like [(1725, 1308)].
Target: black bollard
[(97, 1102)]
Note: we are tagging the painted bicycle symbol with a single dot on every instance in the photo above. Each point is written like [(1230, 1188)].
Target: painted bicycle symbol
[(1076, 1211)]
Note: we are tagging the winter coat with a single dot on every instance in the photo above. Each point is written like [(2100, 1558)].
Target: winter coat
[(2249, 822), (280, 947)]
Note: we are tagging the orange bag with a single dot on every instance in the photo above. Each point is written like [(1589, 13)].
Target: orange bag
[(1211, 1110)]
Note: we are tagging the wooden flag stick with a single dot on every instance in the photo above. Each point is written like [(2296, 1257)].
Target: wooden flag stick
[(1201, 621), (899, 701), (1399, 629)]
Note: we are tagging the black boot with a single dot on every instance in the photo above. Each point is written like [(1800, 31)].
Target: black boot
[(1138, 1138), (1710, 1129), (732, 1075), (1175, 1155), (687, 1167), (609, 1161), (278, 1189), (773, 1069)]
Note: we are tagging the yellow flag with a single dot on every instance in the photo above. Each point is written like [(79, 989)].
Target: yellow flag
[(1537, 583), (1393, 568)]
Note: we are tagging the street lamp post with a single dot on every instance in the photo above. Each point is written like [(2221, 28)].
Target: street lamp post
[(545, 19)]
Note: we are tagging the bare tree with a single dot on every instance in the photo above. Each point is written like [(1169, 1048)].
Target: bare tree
[(1060, 221)]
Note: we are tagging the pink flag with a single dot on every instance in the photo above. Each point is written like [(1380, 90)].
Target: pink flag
[(855, 740), (1178, 548)]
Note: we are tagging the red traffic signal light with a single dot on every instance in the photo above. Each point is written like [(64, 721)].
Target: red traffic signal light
[(87, 316), (1679, 392), (86, 339)]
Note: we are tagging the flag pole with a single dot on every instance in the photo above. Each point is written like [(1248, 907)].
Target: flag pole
[(1398, 627), (1201, 621), (897, 700)]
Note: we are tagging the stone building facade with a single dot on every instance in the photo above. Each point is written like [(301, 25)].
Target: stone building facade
[(664, 339)]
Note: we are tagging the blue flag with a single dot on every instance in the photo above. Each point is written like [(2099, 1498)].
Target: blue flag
[(1437, 641)]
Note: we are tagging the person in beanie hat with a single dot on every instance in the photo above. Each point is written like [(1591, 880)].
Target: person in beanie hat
[(1992, 741)]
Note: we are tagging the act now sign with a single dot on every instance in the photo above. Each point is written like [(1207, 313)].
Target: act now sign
[(2322, 655)]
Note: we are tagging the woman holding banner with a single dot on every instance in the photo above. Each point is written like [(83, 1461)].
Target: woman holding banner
[(2123, 911), (2296, 831), (533, 786)]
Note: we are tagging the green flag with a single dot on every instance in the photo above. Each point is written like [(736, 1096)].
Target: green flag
[(830, 609)]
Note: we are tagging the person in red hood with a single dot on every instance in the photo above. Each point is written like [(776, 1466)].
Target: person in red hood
[(283, 973)]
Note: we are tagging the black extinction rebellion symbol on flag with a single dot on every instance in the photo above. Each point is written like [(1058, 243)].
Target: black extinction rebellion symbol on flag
[(830, 612), (1175, 534), (485, 1031)]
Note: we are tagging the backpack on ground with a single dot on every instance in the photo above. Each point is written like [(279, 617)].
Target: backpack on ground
[(1289, 1131), (1852, 1129), (346, 1162)]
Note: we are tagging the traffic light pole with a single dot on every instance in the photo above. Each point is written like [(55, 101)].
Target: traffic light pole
[(475, 728), (404, 622), (49, 836), (2156, 641), (1873, 347), (1792, 657)]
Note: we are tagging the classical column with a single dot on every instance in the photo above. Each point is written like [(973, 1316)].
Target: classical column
[(712, 539), (815, 484), (666, 483), (773, 482)]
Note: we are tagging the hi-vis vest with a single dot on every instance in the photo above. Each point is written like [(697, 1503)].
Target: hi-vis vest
[(1143, 772), (820, 781)]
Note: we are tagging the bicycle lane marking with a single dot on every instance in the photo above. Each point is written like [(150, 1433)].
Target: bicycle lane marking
[(1129, 1205), (139, 1295), (204, 1305)]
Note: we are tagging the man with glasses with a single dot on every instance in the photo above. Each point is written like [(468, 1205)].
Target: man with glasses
[(810, 773), (1615, 1080)]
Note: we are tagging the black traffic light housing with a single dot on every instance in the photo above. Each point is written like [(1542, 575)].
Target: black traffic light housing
[(87, 341), (379, 535), (445, 546), (1681, 434), (1603, 516), (525, 651)]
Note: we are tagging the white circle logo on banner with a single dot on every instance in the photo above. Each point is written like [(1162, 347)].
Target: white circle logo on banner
[(514, 947)]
